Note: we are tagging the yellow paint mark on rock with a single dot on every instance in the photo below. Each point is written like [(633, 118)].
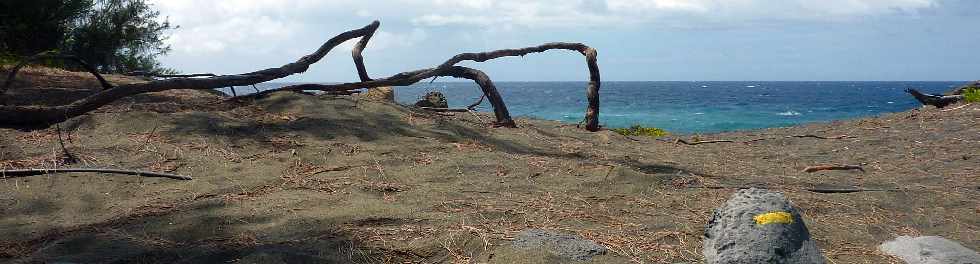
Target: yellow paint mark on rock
[(774, 218)]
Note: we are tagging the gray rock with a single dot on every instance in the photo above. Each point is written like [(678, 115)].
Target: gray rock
[(929, 250), (564, 245), (433, 99), (734, 235)]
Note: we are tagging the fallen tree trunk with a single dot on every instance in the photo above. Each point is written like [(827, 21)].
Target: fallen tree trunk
[(45, 116)]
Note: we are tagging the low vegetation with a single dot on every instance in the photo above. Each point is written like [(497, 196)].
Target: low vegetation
[(972, 95), (639, 130)]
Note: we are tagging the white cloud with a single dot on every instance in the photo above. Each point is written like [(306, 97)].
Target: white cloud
[(215, 26)]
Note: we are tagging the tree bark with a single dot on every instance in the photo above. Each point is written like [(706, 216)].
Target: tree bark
[(45, 116)]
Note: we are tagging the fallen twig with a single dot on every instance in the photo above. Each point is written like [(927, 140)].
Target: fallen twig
[(848, 190), (439, 109), (819, 137), (832, 167), (702, 141), (34, 172)]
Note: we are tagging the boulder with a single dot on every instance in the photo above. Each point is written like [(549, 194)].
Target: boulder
[(929, 250), (381, 94), (433, 99), (563, 245), (758, 226)]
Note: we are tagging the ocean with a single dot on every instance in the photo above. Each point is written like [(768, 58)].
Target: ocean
[(689, 107)]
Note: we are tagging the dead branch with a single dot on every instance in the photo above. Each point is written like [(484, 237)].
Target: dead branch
[(848, 190), (358, 59), (819, 137), (35, 172), (52, 55), (65, 157), (441, 110), (815, 190), (676, 141), (473, 106), (832, 167), (939, 101), (148, 74), (37, 115)]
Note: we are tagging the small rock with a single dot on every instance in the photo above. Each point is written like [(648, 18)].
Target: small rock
[(564, 245), (758, 226), (929, 250), (433, 99), (382, 94)]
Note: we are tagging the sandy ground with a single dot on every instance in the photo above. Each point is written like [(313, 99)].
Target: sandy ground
[(294, 178)]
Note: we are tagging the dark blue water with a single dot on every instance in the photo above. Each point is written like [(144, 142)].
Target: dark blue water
[(692, 107)]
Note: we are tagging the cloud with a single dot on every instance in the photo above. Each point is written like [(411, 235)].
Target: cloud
[(593, 13), (218, 26)]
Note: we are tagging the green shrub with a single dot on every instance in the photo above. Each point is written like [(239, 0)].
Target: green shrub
[(972, 95), (638, 130)]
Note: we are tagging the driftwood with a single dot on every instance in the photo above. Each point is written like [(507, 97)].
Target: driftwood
[(44, 116), (35, 172), (939, 101), (832, 167)]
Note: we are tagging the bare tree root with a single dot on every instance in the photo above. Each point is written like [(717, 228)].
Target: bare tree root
[(832, 167), (38, 115), (36, 172), (52, 55)]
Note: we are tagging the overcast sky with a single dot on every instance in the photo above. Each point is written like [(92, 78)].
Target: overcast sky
[(636, 39)]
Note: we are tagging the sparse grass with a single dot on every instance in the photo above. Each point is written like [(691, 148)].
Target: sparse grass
[(638, 130)]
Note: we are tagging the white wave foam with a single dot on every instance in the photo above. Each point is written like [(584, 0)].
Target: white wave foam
[(789, 113)]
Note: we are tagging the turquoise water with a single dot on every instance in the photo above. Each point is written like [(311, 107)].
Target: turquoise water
[(692, 107)]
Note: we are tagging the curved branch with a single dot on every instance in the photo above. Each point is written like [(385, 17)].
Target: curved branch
[(489, 90), (34, 115), (52, 55), (408, 78), (477, 103), (592, 91), (35, 172), (358, 59)]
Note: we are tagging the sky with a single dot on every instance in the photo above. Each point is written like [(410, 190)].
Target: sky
[(637, 40)]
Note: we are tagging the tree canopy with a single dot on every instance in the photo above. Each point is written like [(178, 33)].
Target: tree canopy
[(112, 35)]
